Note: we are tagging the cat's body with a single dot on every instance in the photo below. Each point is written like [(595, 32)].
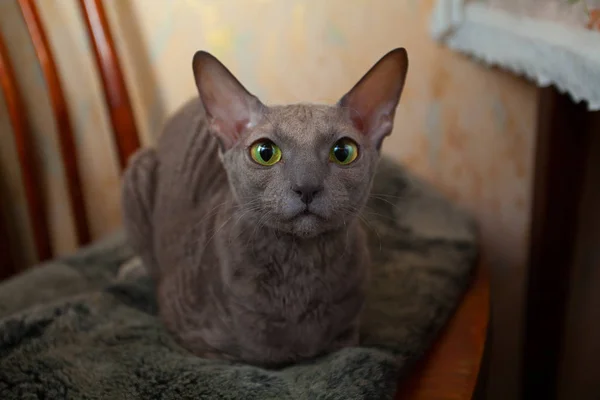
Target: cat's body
[(228, 287), (261, 263)]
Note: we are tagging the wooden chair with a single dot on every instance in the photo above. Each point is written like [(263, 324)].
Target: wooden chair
[(117, 101), (451, 369), (456, 366)]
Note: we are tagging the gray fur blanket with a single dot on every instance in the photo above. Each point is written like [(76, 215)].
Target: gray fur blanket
[(70, 330)]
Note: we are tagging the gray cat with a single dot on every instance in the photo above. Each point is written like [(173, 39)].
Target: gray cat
[(247, 215)]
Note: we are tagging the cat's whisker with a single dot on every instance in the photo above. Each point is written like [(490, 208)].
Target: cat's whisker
[(254, 231), (252, 204), (245, 212), (386, 201), (244, 231), (209, 214), (259, 225), (346, 229), (382, 198), (359, 214), (372, 228), (389, 196), (379, 215), (242, 215), (216, 232)]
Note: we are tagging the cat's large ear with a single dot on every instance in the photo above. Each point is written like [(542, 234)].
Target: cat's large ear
[(231, 109), (371, 103)]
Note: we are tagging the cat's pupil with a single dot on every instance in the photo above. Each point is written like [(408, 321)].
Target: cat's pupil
[(266, 152), (341, 152)]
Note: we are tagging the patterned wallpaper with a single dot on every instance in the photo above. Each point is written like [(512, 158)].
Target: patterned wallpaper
[(467, 128)]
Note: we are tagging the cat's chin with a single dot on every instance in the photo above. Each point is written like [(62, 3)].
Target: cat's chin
[(305, 225)]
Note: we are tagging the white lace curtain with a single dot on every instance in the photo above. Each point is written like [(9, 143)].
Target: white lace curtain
[(549, 41)]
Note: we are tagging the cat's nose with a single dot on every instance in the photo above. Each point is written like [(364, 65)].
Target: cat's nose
[(307, 192)]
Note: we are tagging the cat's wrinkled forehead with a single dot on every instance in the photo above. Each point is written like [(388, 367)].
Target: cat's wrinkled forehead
[(305, 123)]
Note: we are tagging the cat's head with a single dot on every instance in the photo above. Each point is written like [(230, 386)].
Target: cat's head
[(302, 169)]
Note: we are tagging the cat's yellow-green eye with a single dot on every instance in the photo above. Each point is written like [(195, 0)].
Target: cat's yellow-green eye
[(343, 152), (265, 153)]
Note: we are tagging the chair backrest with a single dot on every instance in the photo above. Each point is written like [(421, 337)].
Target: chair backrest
[(117, 101)]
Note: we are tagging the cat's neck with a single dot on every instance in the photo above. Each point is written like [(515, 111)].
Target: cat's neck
[(249, 254), (254, 240)]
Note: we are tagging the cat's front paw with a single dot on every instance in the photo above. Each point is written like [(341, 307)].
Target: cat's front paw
[(131, 270)]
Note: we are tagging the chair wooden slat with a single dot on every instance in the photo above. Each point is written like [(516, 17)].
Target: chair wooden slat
[(115, 92), (450, 370), (27, 158), (61, 115)]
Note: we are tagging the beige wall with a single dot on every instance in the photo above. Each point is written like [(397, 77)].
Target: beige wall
[(464, 126)]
